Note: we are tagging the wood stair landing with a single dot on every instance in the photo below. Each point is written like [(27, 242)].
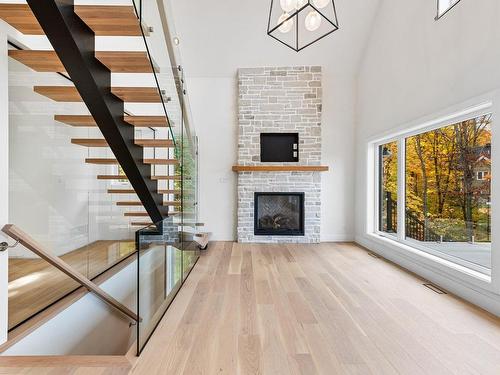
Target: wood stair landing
[(127, 94), (137, 121), (116, 62), (112, 20)]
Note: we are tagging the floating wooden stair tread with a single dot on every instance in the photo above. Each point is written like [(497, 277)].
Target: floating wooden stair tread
[(121, 191), (115, 61), (111, 177), (126, 62), (137, 121), (39, 61), (141, 224), (154, 143), (280, 168), (132, 191), (161, 161), (110, 20), (127, 94), (76, 120), (172, 178), (59, 93), (123, 177), (147, 121), (137, 94), (97, 142), (21, 17), (139, 203), (101, 161), (111, 161)]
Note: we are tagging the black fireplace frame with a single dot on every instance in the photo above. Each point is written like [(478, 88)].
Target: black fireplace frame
[(272, 232)]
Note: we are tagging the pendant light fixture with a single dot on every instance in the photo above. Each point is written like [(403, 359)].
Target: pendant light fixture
[(300, 23)]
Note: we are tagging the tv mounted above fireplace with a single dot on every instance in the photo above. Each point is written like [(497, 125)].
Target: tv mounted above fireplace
[(279, 147)]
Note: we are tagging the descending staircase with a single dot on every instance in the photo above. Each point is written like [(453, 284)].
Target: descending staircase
[(118, 131)]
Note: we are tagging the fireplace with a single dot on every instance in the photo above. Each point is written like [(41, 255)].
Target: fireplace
[(279, 214)]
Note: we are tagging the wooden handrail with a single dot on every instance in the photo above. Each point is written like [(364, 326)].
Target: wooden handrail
[(29, 243)]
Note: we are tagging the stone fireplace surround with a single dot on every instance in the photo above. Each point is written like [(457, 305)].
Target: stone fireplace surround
[(275, 100)]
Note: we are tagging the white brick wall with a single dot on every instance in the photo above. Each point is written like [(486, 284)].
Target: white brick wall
[(288, 100)]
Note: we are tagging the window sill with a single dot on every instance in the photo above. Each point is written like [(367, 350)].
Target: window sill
[(436, 264)]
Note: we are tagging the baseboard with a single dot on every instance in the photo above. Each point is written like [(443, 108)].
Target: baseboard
[(337, 238), (485, 299), (324, 238)]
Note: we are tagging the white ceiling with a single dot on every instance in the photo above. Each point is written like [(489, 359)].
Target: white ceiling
[(219, 36)]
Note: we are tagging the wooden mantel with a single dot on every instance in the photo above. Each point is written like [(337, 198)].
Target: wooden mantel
[(280, 168)]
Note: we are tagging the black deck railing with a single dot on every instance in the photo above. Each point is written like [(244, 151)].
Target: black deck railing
[(415, 228)]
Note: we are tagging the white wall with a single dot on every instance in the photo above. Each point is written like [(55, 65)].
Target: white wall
[(217, 38), (413, 68)]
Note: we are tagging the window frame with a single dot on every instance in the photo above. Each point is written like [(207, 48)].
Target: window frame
[(401, 137)]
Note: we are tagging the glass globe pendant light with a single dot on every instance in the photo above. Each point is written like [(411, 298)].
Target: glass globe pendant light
[(286, 25), (313, 21), (300, 23), (320, 4), (288, 5), (301, 3)]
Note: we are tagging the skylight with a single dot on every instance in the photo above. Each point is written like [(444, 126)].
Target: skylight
[(444, 6)]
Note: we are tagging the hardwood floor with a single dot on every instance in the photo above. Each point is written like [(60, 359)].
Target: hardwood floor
[(34, 284), (316, 309)]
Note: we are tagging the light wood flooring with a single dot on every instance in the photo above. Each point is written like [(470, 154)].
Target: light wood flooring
[(34, 284), (316, 309)]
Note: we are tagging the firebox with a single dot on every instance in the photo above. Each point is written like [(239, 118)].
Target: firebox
[(279, 214)]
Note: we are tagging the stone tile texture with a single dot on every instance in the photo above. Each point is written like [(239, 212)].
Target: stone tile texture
[(279, 100)]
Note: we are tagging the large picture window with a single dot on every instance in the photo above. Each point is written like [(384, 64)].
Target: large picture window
[(447, 200)]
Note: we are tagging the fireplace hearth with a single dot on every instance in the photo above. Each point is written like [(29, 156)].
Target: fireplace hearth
[(279, 214)]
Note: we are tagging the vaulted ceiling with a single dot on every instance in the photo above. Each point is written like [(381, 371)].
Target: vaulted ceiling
[(218, 36)]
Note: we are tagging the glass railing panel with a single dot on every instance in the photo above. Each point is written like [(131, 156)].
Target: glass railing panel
[(165, 75), (55, 195), (159, 275), (189, 198), (33, 286)]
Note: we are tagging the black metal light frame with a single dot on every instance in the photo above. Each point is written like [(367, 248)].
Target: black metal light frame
[(295, 15), (439, 16)]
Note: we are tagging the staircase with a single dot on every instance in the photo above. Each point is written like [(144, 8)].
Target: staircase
[(72, 31)]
